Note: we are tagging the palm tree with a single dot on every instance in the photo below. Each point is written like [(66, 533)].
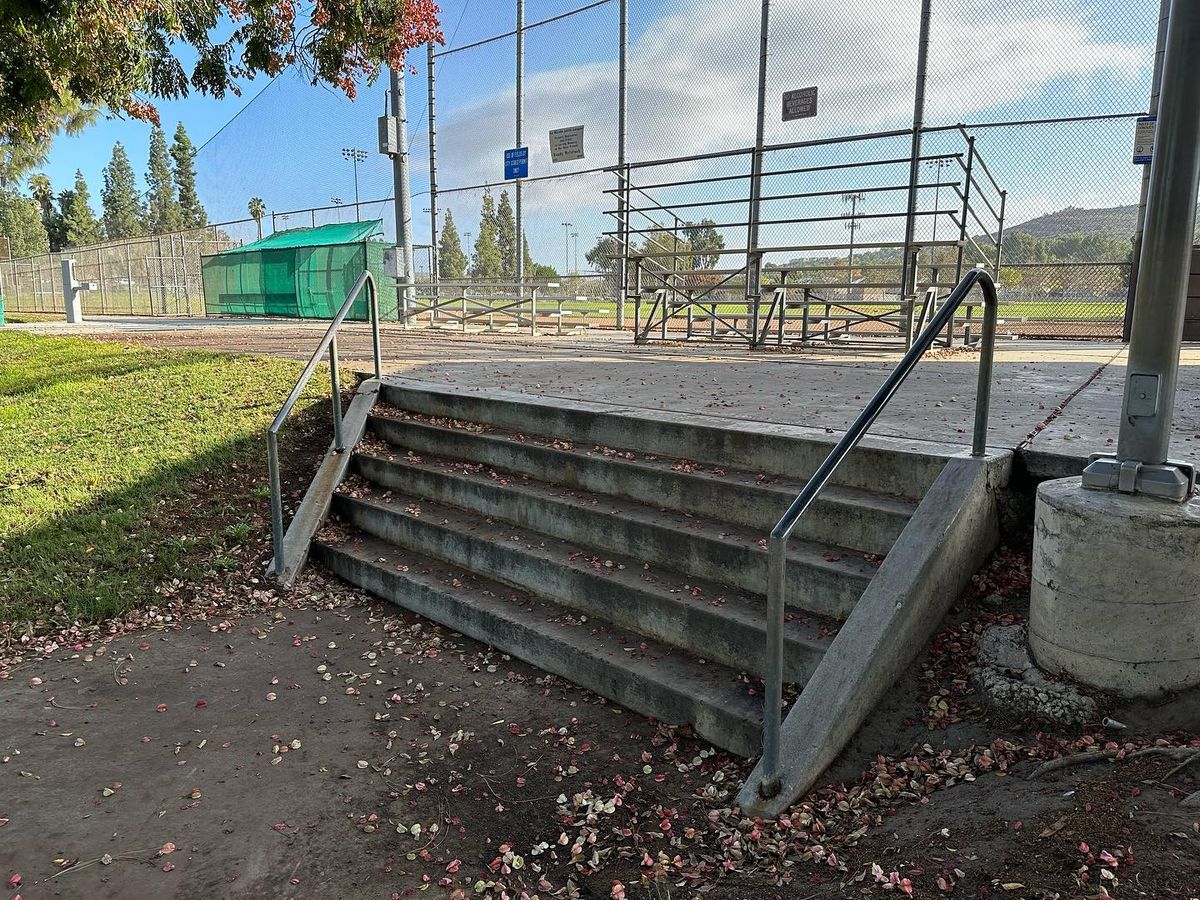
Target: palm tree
[(257, 209)]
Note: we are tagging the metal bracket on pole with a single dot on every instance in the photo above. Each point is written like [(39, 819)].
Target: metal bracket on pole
[(1174, 479)]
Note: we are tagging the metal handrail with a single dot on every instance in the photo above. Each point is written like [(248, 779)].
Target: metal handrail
[(329, 341), (777, 548)]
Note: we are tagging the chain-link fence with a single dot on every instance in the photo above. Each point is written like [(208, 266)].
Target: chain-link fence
[(1049, 89), (155, 275)]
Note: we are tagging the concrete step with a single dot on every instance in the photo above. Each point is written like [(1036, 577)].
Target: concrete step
[(849, 517), (705, 619), (821, 578), (631, 669), (901, 468)]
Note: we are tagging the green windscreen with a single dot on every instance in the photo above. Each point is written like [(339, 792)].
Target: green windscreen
[(307, 282)]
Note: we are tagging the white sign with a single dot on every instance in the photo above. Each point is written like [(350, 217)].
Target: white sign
[(566, 144), (799, 104), (1143, 140)]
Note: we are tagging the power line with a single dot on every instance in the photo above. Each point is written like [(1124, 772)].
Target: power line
[(420, 119), (229, 122)]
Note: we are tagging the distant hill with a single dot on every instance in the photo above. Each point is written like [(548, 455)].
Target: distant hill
[(1116, 222)]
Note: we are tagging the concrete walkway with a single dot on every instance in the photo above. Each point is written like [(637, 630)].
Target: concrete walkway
[(1057, 401)]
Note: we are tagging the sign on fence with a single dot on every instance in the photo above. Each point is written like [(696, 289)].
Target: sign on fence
[(799, 104), (516, 163), (566, 144), (1143, 140)]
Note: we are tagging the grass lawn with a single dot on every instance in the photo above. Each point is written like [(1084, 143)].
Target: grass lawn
[(124, 466)]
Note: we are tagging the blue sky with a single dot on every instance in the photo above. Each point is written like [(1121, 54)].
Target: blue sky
[(692, 71)]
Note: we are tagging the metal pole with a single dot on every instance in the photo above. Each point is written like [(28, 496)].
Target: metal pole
[(162, 276), (908, 274), (403, 203), (1141, 464), (129, 275), (753, 257), (335, 396), (357, 208), (434, 268), (622, 214), (1160, 52), (519, 267)]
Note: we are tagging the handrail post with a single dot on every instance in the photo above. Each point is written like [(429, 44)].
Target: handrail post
[(339, 442), (276, 500), (773, 696), (373, 305), (983, 388), (637, 300)]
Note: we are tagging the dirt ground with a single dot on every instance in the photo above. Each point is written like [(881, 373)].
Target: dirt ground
[(338, 748)]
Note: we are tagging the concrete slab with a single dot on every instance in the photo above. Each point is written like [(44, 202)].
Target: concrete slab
[(1055, 401)]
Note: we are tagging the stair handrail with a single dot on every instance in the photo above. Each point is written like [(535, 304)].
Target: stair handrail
[(770, 784), (328, 341)]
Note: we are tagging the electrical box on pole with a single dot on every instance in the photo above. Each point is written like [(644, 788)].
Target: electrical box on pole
[(389, 145)]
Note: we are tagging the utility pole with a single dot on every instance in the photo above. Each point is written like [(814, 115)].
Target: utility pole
[(1140, 465), (1114, 596), (566, 247), (908, 266), (853, 198), (623, 193), (753, 257), (519, 267), (434, 268), (403, 203), (1160, 49)]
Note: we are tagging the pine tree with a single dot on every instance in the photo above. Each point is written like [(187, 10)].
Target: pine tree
[(79, 221), (122, 208), (452, 262), (506, 236), (486, 262), (162, 209), (183, 155)]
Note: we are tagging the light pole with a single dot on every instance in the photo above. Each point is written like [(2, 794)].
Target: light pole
[(355, 156), (566, 246), (853, 198), (337, 201), (575, 258), (937, 165)]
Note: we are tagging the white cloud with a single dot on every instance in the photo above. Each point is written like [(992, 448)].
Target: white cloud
[(692, 78)]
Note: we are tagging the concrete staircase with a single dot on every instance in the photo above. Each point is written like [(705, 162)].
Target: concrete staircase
[(622, 549)]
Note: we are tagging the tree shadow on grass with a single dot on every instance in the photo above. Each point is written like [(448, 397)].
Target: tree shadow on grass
[(57, 363), (210, 511)]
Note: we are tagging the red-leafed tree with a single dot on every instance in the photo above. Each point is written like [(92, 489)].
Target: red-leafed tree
[(122, 56)]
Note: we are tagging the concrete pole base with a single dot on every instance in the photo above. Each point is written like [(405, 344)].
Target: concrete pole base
[(1115, 600)]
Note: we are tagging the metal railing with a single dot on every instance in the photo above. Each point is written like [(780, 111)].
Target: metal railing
[(968, 203), (329, 341), (777, 548)]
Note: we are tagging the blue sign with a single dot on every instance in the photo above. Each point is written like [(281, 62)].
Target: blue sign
[(516, 163)]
